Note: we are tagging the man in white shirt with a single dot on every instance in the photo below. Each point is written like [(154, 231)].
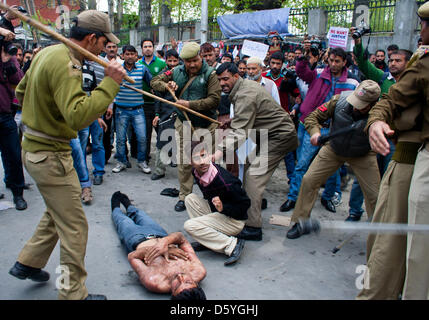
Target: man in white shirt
[(254, 72)]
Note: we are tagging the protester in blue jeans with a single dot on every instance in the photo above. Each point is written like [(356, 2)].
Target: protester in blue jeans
[(79, 164), (129, 106), (96, 129), (323, 84), (356, 195)]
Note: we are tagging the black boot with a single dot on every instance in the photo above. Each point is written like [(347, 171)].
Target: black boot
[(22, 272), (288, 205), (250, 233)]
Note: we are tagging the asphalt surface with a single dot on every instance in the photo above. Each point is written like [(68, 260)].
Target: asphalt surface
[(275, 268)]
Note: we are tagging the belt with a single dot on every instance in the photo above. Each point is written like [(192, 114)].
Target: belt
[(130, 108), (152, 236), (39, 134)]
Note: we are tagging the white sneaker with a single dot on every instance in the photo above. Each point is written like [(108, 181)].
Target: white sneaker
[(145, 168), (119, 167)]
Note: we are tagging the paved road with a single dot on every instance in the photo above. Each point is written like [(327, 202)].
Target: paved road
[(275, 268)]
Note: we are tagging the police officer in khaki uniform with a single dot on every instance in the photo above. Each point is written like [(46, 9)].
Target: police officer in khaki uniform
[(54, 108), (348, 111), (197, 88), (403, 109), (274, 136)]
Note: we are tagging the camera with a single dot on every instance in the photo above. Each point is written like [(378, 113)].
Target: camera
[(361, 30), (6, 24), (290, 73)]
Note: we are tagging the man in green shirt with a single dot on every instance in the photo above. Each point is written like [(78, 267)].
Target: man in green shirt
[(54, 108), (155, 66)]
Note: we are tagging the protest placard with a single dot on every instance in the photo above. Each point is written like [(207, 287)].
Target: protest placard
[(338, 37), (254, 49)]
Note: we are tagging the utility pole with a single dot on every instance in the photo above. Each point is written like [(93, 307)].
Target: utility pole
[(204, 20)]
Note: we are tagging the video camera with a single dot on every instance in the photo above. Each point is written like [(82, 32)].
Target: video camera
[(361, 30), (7, 45)]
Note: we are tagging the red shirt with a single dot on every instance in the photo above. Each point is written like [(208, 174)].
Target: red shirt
[(284, 96)]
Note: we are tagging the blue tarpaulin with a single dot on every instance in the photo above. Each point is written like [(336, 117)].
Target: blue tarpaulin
[(255, 24)]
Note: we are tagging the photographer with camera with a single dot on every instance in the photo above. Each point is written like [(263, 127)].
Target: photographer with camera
[(10, 147)]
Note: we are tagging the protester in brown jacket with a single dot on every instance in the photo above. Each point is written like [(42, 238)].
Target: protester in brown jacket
[(257, 117)]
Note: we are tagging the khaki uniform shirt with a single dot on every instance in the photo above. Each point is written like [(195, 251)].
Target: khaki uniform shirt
[(255, 108), (53, 101)]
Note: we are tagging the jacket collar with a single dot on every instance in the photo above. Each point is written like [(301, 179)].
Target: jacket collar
[(326, 74), (236, 87)]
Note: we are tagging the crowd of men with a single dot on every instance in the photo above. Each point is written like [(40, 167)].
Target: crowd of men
[(315, 110)]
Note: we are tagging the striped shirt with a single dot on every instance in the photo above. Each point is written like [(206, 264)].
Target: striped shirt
[(98, 69), (128, 98)]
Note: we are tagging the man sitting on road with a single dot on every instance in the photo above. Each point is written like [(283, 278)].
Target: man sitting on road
[(216, 220), (164, 262)]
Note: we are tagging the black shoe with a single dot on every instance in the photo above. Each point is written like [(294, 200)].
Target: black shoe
[(98, 180), (20, 203), (96, 297), (27, 186), (250, 233), (157, 176), (264, 204), (328, 204), (1, 195), (128, 164), (180, 206), (295, 232), (198, 247), (288, 205), (173, 165), (353, 218), (116, 200), (236, 253), (22, 272)]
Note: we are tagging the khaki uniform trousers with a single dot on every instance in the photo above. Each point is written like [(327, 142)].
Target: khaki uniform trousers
[(323, 166), (386, 252), (256, 177), (63, 219), (417, 275), (213, 230), (184, 166)]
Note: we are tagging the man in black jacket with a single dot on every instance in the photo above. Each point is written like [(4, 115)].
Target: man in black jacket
[(216, 220)]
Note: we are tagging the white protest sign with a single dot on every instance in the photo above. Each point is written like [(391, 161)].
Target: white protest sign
[(159, 47), (338, 37), (235, 52), (254, 49)]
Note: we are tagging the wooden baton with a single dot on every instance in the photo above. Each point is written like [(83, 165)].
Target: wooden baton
[(179, 106), (59, 37), (95, 58)]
